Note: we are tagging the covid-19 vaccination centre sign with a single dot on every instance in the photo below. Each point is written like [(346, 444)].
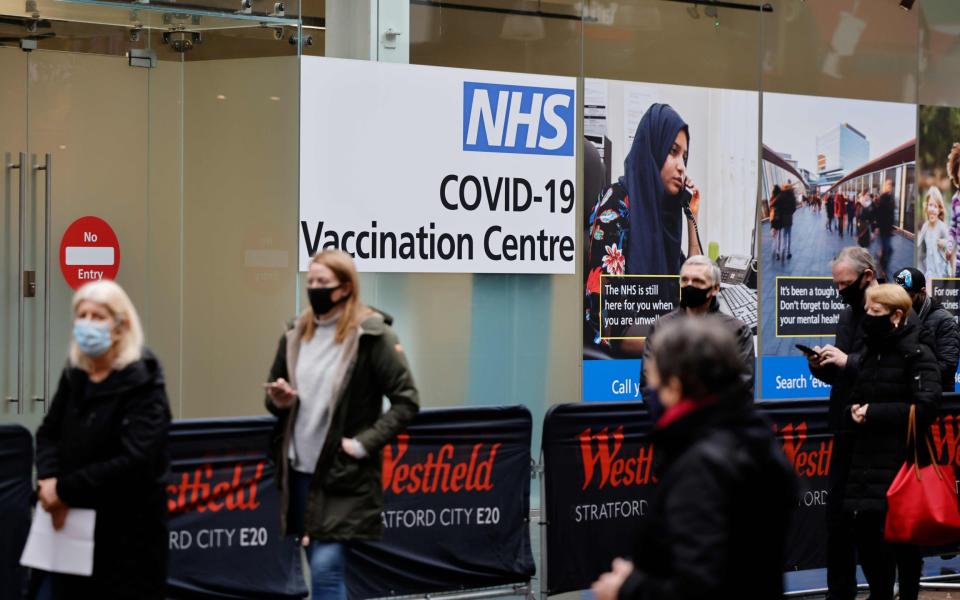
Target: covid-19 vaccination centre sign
[(426, 169)]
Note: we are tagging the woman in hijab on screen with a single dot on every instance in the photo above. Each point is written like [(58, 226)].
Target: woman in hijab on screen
[(636, 227)]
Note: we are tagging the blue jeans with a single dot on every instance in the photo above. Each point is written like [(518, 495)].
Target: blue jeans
[(328, 560)]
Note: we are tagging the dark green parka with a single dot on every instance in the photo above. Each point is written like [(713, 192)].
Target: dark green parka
[(346, 495)]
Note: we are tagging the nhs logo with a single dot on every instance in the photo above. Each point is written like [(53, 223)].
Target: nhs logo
[(517, 119)]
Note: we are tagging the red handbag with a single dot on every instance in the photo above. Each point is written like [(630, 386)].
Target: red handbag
[(922, 501)]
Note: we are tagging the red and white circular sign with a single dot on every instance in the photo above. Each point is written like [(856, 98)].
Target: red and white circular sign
[(89, 251)]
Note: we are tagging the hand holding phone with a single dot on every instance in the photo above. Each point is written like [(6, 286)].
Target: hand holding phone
[(280, 392), (808, 351)]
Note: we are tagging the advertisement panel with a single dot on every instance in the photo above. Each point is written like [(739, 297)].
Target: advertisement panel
[(835, 173), (676, 175), (426, 169)]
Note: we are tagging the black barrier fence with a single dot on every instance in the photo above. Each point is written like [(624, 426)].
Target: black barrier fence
[(457, 505), (598, 482), (16, 494), (456, 495)]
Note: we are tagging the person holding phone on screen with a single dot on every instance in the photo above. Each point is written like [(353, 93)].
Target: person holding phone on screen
[(637, 224), (333, 368)]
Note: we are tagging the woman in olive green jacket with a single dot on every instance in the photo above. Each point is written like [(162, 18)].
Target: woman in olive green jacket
[(327, 384)]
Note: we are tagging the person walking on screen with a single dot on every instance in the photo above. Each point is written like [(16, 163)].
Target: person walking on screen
[(884, 221)]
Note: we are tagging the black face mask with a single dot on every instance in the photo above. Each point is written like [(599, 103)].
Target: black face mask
[(321, 299), (877, 326), (692, 297), (852, 295)]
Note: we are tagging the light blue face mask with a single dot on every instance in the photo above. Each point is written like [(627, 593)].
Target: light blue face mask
[(92, 337)]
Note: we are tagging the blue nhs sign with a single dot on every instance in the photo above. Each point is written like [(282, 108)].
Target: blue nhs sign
[(517, 119)]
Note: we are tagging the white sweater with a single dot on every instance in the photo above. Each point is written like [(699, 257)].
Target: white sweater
[(317, 370)]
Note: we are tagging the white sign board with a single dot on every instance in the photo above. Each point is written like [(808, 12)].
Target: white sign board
[(428, 169)]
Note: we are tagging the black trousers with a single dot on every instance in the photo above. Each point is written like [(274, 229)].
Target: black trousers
[(841, 542), (882, 561)]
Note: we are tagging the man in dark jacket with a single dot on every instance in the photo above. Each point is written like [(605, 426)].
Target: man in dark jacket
[(884, 222), (786, 206), (938, 321), (718, 524), (853, 272), (699, 286)]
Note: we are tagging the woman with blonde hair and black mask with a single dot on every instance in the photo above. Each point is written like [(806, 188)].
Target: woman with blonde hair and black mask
[(103, 446), (333, 368), (897, 371)]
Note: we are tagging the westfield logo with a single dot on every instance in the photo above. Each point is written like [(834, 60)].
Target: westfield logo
[(438, 472), (945, 436), (602, 460), (807, 463), (198, 491)]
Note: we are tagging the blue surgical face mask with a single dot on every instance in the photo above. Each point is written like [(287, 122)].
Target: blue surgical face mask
[(92, 337)]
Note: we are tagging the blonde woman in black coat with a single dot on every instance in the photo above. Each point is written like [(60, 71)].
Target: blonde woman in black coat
[(897, 370), (103, 446)]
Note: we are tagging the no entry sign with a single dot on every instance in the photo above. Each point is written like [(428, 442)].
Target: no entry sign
[(89, 251)]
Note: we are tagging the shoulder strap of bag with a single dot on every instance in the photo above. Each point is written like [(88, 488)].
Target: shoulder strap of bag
[(912, 437)]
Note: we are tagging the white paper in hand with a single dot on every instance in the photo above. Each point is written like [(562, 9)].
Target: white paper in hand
[(69, 550)]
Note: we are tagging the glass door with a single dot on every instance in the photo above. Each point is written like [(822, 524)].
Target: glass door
[(155, 144), (13, 152)]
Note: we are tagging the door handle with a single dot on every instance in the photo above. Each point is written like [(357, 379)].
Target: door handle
[(47, 169), (22, 172)]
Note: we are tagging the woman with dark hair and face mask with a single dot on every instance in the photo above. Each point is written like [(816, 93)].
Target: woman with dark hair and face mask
[(333, 368), (637, 224), (897, 370)]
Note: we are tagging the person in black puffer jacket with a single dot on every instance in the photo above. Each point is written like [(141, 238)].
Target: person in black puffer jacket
[(717, 527), (941, 324), (897, 370)]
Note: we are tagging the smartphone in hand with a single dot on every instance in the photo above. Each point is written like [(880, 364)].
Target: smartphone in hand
[(808, 351)]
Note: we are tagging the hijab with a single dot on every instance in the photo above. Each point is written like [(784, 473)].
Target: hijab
[(656, 218)]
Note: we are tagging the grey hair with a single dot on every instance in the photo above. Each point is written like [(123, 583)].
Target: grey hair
[(701, 352), (857, 257), (703, 261)]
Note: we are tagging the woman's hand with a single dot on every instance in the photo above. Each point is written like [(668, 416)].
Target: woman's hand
[(941, 244), (280, 392), (50, 501), (859, 413), (607, 587), (694, 199), (47, 493), (353, 448)]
